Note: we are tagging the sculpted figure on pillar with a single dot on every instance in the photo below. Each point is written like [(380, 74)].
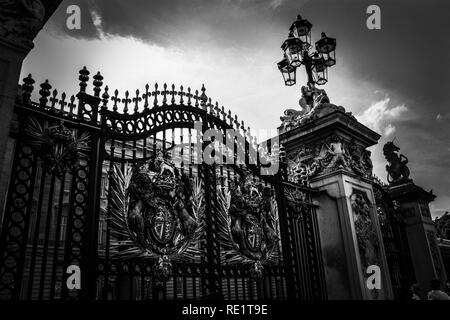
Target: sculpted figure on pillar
[(397, 171), (21, 20), (314, 104)]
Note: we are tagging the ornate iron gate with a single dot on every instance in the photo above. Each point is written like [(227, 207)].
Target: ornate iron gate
[(123, 195), (395, 243)]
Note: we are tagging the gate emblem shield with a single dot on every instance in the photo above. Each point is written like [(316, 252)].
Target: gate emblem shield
[(163, 225), (254, 234)]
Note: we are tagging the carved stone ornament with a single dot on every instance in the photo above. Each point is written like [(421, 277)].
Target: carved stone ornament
[(368, 242), (397, 171), (326, 156), (21, 20), (57, 146), (314, 103), (248, 225), (156, 213), (442, 225)]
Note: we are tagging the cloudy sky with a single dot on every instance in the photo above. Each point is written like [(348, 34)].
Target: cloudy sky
[(395, 80)]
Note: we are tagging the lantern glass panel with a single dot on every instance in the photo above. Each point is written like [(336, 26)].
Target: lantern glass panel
[(287, 71), (302, 30), (326, 44), (320, 70), (293, 49)]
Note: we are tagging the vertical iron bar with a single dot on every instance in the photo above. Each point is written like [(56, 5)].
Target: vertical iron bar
[(57, 237), (46, 239)]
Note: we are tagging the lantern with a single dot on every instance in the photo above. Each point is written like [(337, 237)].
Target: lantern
[(287, 71), (319, 69), (293, 48), (326, 46), (302, 30)]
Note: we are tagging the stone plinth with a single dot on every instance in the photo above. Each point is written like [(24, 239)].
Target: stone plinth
[(421, 232), (330, 154)]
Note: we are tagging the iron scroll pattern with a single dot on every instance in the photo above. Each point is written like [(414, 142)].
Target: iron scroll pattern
[(248, 225), (156, 213)]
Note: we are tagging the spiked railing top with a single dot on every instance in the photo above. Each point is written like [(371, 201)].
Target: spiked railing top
[(152, 96)]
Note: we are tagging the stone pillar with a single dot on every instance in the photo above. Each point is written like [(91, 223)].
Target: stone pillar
[(20, 21), (11, 58), (327, 149), (420, 231)]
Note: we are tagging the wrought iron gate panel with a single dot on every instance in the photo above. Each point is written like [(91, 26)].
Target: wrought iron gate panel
[(207, 230), (395, 242)]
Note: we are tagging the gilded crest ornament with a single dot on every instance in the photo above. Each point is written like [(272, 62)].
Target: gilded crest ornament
[(156, 213), (58, 147), (248, 225)]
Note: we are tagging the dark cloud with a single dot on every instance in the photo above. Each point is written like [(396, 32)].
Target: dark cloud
[(178, 22), (408, 58)]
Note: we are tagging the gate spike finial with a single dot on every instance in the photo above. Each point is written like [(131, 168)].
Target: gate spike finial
[(71, 105), (27, 88), (203, 98), (196, 98), (230, 117), (146, 95), (181, 94), (53, 99), (105, 98), (236, 121), (165, 92), (217, 109), (210, 106), (155, 94), (98, 82), (172, 94), (136, 101), (126, 101), (62, 102), (116, 99), (84, 78), (189, 96), (224, 115), (44, 92)]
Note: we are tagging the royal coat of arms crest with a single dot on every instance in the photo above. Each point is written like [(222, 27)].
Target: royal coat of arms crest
[(248, 225), (157, 213)]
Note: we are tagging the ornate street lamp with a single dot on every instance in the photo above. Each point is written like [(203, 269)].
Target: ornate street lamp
[(288, 71), (297, 52), (319, 69), (326, 47), (293, 48), (302, 30)]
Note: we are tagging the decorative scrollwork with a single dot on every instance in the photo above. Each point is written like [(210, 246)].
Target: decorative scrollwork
[(328, 155), (156, 213), (368, 242)]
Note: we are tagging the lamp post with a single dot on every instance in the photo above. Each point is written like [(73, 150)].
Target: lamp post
[(297, 51)]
